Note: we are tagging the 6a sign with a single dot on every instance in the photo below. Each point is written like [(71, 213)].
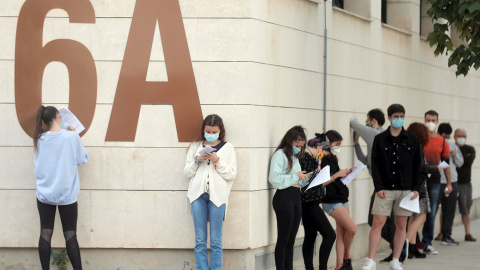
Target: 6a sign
[(133, 90)]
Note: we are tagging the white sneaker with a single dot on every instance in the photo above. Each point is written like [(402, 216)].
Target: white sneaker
[(430, 250), (395, 265), (369, 264)]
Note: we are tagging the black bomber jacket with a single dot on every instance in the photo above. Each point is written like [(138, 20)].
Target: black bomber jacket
[(396, 162)]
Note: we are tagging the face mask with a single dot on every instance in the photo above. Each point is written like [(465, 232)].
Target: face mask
[(398, 122), (211, 137), (461, 141), (335, 150), (431, 126), (62, 124), (295, 150)]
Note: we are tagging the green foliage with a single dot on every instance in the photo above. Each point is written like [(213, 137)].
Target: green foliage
[(60, 259), (464, 16)]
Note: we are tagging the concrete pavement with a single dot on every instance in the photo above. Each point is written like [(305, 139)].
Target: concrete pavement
[(464, 256)]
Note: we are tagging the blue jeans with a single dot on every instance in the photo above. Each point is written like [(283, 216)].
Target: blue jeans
[(203, 210), (429, 226)]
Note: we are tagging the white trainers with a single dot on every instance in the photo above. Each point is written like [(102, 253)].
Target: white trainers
[(369, 264), (395, 265), (430, 250)]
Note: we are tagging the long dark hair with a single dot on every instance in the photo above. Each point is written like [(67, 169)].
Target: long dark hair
[(44, 115), (296, 133), (212, 120)]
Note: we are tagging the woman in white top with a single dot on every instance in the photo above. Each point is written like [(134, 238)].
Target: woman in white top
[(212, 176)]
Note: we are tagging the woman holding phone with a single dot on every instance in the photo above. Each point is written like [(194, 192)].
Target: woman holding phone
[(211, 177), (58, 152), (286, 176)]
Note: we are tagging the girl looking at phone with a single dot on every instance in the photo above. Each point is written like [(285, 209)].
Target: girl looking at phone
[(211, 177)]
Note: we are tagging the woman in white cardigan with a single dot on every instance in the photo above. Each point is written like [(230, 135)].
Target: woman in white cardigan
[(212, 176)]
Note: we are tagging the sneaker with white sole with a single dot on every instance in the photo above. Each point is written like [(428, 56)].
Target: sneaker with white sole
[(369, 264), (430, 250), (449, 242), (395, 265)]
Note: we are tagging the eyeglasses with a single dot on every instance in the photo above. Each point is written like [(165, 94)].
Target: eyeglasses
[(398, 116)]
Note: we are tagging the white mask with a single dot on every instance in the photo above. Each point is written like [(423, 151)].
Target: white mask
[(335, 150), (461, 141), (431, 126)]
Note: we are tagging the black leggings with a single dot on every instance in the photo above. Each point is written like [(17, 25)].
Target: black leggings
[(314, 219), (68, 216), (288, 209)]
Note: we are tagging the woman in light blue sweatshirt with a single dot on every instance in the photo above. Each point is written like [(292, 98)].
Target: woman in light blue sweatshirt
[(58, 152), (287, 176)]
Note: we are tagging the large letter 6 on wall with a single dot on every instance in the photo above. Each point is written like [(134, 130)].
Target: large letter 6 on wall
[(133, 90), (31, 59)]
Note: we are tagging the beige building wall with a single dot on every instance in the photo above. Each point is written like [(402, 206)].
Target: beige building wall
[(260, 65)]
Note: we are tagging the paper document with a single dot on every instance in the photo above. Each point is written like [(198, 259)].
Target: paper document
[(358, 168), (411, 205), (322, 177), (444, 164), (69, 119), (207, 149)]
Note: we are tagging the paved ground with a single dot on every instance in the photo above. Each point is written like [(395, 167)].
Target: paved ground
[(464, 256)]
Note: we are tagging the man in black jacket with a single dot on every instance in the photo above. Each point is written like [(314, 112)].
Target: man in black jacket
[(396, 172)]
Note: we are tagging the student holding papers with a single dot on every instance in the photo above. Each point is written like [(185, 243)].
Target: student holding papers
[(314, 219), (287, 176), (211, 174), (335, 202)]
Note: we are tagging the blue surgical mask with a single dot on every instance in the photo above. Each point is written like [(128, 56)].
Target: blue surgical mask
[(211, 137), (295, 150), (62, 124), (398, 122)]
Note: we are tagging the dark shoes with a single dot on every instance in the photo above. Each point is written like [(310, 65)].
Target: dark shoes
[(449, 242), (414, 253), (439, 237), (469, 237), (387, 259), (347, 264)]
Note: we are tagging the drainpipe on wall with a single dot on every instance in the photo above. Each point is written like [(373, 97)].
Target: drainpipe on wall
[(325, 70)]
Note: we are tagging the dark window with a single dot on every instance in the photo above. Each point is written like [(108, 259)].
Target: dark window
[(338, 3), (384, 11)]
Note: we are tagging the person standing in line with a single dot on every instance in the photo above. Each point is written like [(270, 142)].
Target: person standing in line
[(417, 220), (211, 177), (449, 201), (335, 201), (286, 176), (373, 126), (465, 181), (396, 172), (314, 218), (435, 151), (58, 152)]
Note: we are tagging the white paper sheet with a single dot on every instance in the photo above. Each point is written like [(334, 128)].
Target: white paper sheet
[(69, 119), (207, 149), (411, 205), (358, 168), (444, 164), (322, 177)]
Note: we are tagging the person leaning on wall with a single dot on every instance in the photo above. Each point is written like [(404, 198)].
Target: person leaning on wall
[(211, 177), (287, 177), (58, 152)]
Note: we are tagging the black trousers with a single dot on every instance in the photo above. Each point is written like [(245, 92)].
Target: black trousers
[(449, 205), (315, 220), (288, 209), (388, 230)]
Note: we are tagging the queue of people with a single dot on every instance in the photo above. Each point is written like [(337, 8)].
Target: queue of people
[(400, 161)]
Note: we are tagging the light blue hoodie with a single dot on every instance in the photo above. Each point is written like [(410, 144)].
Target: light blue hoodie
[(56, 160)]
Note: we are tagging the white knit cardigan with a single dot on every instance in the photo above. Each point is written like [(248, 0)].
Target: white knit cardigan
[(220, 177)]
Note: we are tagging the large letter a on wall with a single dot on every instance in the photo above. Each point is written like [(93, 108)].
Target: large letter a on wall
[(133, 90)]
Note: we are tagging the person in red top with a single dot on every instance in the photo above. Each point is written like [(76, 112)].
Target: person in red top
[(436, 151)]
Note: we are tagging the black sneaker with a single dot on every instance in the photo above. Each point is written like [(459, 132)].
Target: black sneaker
[(387, 259), (449, 242), (347, 264)]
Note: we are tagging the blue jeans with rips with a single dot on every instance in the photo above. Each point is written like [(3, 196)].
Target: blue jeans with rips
[(203, 210), (429, 226)]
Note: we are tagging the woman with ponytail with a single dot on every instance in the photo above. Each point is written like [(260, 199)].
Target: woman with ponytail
[(58, 152)]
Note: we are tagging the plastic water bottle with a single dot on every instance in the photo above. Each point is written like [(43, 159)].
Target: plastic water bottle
[(445, 192)]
